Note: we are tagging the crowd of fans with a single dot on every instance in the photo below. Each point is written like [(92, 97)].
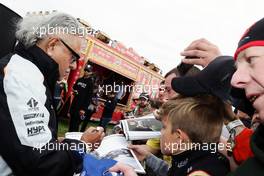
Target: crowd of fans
[(212, 118)]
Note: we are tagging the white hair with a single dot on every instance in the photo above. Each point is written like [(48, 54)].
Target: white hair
[(34, 28)]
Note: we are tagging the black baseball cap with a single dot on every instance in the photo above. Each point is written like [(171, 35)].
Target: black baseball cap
[(215, 80)]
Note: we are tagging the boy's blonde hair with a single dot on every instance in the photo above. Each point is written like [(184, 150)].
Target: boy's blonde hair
[(200, 117)]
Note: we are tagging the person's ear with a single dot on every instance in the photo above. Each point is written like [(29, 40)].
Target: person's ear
[(176, 135), (182, 135), (179, 135), (51, 46)]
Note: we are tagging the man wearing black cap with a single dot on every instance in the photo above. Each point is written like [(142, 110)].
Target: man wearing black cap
[(83, 90)]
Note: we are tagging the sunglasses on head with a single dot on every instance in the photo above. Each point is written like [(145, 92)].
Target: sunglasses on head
[(75, 56)]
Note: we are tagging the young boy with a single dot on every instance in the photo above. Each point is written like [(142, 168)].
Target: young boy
[(191, 131)]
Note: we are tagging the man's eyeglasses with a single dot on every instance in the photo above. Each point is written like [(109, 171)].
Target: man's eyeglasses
[(75, 56)]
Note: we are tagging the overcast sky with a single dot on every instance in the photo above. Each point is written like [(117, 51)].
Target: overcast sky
[(159, 29)]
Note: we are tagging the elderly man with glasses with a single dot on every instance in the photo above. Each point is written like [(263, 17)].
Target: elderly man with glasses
[(28, 132)]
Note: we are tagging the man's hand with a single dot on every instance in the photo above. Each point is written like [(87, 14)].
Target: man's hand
[(141, 151), (203, 51), (93, 136), (125, 169)]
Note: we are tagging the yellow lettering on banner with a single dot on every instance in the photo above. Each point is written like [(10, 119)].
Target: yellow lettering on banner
[(198, 173)]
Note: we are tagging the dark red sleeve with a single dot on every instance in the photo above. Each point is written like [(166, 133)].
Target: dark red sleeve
[(242, 150)]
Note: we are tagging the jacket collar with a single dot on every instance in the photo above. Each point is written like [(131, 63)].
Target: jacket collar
[(190, 156), (48, 67), (185, 157)]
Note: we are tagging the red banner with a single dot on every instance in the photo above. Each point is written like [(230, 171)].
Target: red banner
[(128, 52), (113, 62)]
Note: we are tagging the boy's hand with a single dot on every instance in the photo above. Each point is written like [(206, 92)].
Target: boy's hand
[(141, 151), (203, 51)]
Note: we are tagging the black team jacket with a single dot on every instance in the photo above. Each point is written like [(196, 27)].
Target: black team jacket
[(27, 117)]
